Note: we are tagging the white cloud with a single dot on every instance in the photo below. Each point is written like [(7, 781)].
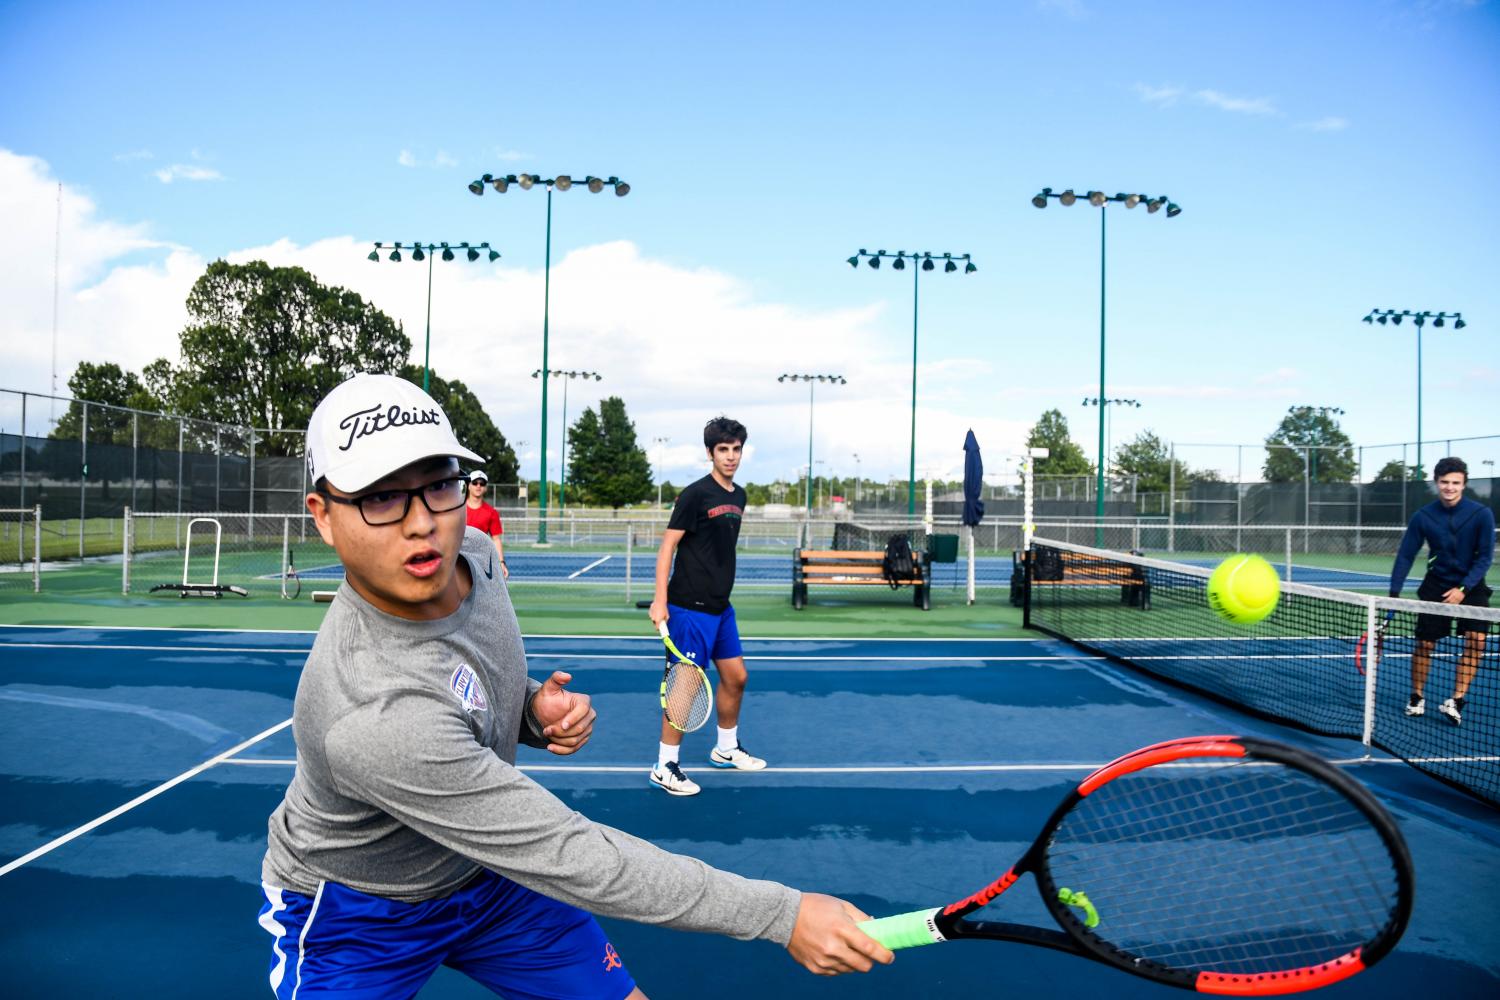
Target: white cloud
[(1073, 10), (407, 158), (1164, 96), (186, 172), (134, 154), (1240, 105), (510, 155), (1329, 123)]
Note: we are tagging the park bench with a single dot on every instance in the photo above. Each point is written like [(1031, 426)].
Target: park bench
[(819, 567), (1050, 568)]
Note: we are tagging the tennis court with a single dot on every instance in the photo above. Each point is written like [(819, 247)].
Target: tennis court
[(904, 773)]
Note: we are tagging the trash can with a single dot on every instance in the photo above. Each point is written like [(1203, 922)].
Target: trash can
[(942, 548)]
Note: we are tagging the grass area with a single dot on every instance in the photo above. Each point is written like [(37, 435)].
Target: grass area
[(89, 594)]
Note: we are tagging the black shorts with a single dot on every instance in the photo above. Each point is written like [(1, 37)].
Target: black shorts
[(1435, 627)]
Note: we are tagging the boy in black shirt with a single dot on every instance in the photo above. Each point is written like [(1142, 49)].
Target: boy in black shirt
[(704, 528)]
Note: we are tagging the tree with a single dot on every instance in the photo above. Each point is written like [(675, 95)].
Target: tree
[(1311, 433), (111, 385), (1149, 460), (265, 343), (1065, 457), (605, 463), (474, 428), (1396, 470)]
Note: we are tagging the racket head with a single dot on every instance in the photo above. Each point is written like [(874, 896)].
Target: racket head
[(686, 697), (1225, 865)]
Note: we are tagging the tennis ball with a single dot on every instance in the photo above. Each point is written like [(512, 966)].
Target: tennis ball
[(1244, 589)]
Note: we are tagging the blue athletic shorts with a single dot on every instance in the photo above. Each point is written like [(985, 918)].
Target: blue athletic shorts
[(704, 637), (517, 942)]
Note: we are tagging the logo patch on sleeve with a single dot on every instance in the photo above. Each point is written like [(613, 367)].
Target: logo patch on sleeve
[(465, 684)]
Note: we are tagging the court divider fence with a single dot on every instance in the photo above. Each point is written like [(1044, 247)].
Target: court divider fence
[(21, 549)]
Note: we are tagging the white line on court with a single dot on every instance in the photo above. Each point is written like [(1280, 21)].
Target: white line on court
[(596, 562), (139, 799), (904, 769), (154, 649)]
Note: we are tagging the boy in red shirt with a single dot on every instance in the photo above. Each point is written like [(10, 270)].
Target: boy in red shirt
[(484, 517)]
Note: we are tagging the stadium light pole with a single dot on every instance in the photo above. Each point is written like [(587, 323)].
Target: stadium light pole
[(856, 477), (562, 482), (924, 260), (563, 182), (1384, 316), (1097, 401), (1099, 200), (429, 252), (812, 382), (661, 453)]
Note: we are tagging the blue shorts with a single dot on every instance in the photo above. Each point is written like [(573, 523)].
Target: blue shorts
[(704, 637), (517, 942)]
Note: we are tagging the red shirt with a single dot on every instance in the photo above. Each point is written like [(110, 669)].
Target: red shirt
[(485, 518)]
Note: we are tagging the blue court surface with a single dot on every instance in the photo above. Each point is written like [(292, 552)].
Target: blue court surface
[(776, 570), (139, 767)]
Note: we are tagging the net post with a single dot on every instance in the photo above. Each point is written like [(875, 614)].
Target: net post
[(126, 541), (286, 548), (1289, 552), (36, 545), (629, 557), (1172, 499), (1370, 672)]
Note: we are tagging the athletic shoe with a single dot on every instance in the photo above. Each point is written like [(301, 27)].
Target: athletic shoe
[(1453, 708), (671, 780), (736, 758), (1416, 706)]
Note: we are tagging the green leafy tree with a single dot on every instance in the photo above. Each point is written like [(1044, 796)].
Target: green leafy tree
[(1396, 470), (1149, 460), (264, 344), (471, 423), (109, 384), (605, 463), (1065, 457), (1305, 429)]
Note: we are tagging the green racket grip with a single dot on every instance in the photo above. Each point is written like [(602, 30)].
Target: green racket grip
[(905, 930)]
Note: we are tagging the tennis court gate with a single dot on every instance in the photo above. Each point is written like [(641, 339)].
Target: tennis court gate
[(262, 553), (20, 547)]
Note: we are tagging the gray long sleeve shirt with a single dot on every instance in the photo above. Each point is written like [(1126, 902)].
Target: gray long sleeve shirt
[(405, 784)]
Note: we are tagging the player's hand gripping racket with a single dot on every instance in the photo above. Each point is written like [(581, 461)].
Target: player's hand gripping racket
[(1372, 644), (686, 698), (1220, 864)]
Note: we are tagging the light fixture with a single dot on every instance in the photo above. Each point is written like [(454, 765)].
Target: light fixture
[(1382, 320), (501, 184), (875, 263), (447, 253), (1040, 201), (1396, 319), (477, 187), (950, 267), (1439, 321), (563, 182), (1370, 319), (900, 263), (595, 184), (1067, 197), (969, 268), (526, 181), (927, 264), (473, 254), (621, 188), (1097, 199), (395, 255), (1132, 200), (417, 254), (1173, 211), (374, 254), (1152, 204), (1459, 324), (494, 255)]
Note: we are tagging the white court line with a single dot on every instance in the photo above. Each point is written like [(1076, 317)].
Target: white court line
[(904, 769), (139, 799), (154, 649), (596, 562), (651, 657)]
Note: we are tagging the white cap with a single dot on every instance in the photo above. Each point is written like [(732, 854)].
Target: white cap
[(478, 474), (372, 425)]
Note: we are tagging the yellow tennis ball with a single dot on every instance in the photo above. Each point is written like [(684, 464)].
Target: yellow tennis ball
[(1244, 589)]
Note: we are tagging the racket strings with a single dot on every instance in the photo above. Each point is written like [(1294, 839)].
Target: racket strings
[(1241, 868), (686, 698)]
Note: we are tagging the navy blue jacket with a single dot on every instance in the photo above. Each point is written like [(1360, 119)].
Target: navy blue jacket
[(1460, 543)]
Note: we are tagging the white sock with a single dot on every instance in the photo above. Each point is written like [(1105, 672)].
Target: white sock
[(728, 738), (666, 754)]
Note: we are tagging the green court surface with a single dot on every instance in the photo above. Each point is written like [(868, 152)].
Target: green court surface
[(90, 595)]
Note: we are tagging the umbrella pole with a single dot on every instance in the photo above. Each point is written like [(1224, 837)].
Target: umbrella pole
[(970, 528)]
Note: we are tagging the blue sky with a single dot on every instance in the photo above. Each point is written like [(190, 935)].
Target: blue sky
[(1329, 158)]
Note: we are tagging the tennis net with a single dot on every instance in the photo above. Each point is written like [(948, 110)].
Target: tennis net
[(1311, 663)]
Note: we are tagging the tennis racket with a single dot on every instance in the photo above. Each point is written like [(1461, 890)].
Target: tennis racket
[(686, 698), (291, 583), (1372, 641), (1221, 864)]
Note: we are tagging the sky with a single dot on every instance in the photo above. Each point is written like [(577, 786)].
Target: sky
[(1329, 159)]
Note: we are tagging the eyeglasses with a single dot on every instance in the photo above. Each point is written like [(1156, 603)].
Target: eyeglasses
[(479, 482), (391, 506)]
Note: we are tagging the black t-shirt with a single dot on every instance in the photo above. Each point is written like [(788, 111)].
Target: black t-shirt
[(704, 573)]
